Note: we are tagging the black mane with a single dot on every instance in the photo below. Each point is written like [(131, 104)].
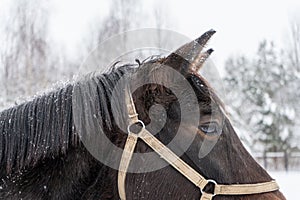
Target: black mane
[(44, 127), (36, 129)]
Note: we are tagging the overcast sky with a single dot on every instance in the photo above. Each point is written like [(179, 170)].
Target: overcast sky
[(240, 25)]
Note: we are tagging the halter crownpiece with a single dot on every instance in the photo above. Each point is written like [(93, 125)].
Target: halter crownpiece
[(175, 161)]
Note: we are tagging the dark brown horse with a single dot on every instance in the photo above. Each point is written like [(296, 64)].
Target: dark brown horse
[(43, 156)]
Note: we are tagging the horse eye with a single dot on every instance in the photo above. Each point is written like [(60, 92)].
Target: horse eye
[(210, 128)]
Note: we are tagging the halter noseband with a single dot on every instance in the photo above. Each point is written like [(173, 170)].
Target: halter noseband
[(182, 167)]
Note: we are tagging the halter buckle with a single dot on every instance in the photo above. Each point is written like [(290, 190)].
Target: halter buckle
[(209, 181), (130, 127)]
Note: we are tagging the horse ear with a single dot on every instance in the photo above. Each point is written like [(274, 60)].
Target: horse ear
[(189, 57)]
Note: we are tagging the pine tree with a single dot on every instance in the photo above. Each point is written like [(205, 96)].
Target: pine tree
[(260, 98)]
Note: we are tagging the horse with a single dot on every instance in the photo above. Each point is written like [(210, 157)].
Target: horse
[(44, 152)]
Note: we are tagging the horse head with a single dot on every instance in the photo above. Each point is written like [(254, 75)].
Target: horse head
[(69, 143)]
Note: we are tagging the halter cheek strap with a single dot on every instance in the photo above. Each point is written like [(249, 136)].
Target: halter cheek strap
[(175, 161)]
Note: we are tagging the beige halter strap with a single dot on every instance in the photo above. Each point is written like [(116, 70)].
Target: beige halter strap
[(182, 167)]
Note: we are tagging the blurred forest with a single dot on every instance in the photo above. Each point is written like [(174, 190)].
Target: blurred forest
[(264, 94), (263, 90)]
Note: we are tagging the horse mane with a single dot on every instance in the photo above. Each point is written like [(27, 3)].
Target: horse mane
[(44, 127), (35, 129)]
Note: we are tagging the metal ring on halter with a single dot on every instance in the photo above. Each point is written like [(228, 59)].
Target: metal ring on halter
[(210, 181), (138, 121)]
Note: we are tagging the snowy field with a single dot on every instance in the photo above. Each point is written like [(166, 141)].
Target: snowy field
[(288, 182)]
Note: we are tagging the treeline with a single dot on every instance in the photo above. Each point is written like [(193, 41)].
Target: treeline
[(263, 91), (31, 62)]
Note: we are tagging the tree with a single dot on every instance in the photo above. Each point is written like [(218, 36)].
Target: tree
[(261, 97), (25, 54), (294, 50), (27, 59), (125, 16)]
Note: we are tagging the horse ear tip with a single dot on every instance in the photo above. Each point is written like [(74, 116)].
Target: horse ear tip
[(209, 51), (211, 31), (205, 36)]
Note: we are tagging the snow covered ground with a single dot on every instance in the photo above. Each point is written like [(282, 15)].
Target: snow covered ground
[(288, 182)]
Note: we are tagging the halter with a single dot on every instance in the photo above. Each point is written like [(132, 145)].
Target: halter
[(182, 167)]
